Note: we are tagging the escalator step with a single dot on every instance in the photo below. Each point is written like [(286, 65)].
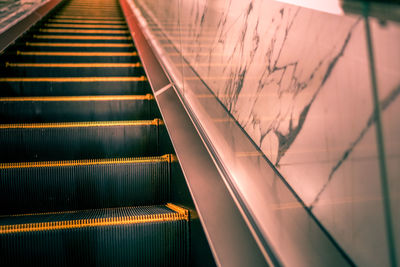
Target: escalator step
[(70, 86), (83, 184), (81, 37), (87, 21), (72, 70), (72, 56), (75, 46), (77, 108), (96, 31), (79, 140), (83, 25), (129, 236)]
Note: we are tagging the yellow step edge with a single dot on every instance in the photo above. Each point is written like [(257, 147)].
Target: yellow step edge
[(87, 21), (94, 8), (84, 9), (94, 222), (60, 25), (74, 79), (92, 17), (80, 124), (82, 37), (77, 98), (182, 211), (90, 13), (80, 44), (83, 162), (76, 11), (98, 5), (75, 65), (77, 54), (69, 11), (84, 31), (79, 11)]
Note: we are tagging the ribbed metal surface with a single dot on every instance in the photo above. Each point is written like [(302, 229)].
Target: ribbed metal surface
[(35, 144), (83, 185), (131, 243), (38, 110), (72, 70)]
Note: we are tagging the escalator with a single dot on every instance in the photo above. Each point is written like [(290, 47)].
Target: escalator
[(86, 162)]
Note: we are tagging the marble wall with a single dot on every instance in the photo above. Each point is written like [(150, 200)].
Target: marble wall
[(298, 82), (13, 10)]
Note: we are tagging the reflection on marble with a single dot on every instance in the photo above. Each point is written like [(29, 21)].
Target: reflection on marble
[(386, 41), (12, 10), (297, 81)]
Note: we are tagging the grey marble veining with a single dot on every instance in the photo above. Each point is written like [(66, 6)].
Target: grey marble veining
[(298, 82)]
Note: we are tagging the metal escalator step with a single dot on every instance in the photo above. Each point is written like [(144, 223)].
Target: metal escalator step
[(56, 86), (81, 37), (27, 187), (80, 140), (79, 45), (75, 47), (72, 70), (74, 57), (76, 54), (74, 79), (84, 25), (77, 108), (128, 236), (102, 31), (88, 21), (80, 17), (90, 13)]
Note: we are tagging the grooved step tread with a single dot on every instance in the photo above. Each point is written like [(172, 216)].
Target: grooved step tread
[(75, 65), (80, 124), (86, 162), (77, 98), (87, 21), (82, 37), (76, 25), (91, 218), (77, 54), (74, 79), (84, 31)]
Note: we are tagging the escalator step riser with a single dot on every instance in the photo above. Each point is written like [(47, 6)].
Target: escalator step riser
[(73, 88), (38, 144), (152, 239), (119, 32), (77, 33), (30, 111), (71, 40), (61, 47), (73, 59), (61, 186), (86, 21), (71, 71), (83, 26)]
